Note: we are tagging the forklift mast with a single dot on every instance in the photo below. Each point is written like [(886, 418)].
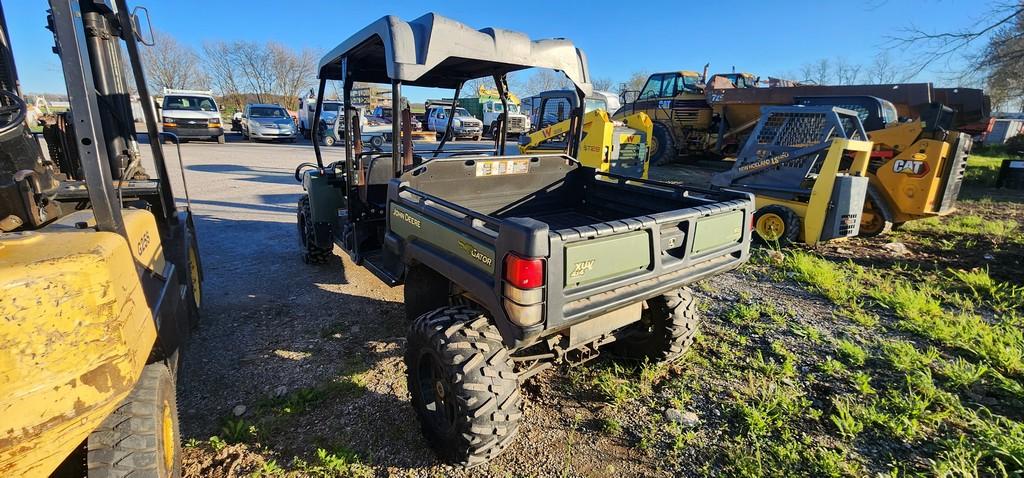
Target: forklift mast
[(87, 37)]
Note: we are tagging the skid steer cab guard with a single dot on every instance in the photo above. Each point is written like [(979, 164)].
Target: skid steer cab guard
[(807, 168)]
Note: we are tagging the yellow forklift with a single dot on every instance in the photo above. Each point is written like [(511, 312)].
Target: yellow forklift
[(807, 168), (616, 147), (100, 279)]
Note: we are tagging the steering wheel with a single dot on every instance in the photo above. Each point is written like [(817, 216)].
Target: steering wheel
[(12, 111)]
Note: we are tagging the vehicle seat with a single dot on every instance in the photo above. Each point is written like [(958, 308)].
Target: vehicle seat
[(378, 173)]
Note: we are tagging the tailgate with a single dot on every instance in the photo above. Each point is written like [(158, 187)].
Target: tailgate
[(607, 265)]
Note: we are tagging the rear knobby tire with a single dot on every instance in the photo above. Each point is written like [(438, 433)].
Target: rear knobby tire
[(140, 438), (665, 331), (463, 386), (311, 252)]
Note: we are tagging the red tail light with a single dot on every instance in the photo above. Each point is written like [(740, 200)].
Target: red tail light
[(524, 273)]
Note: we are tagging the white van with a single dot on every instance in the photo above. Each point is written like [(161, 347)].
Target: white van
[(191, 114)]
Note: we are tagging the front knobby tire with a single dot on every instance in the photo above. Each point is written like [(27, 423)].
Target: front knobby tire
[(311, 252), (665, 331), (463, 386), (140, 438)]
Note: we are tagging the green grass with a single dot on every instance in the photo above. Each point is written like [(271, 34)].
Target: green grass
[(852, 353), (905, 356), (339, 462), (983, 167), (921, 397), (837, 283), (959, 225)]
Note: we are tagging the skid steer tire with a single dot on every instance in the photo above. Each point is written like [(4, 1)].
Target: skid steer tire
[(311, 253), (140, 438), (877, 216), (664, 148), (463, 386), (777, 224), (665, 331)]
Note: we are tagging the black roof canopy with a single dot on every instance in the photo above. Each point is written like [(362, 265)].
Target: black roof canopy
[(436, 51)]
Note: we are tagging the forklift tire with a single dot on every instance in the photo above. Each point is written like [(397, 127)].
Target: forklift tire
[(464, 389), (377, 141), (665, 330), (663, 149), (194, 286), (140, 438), (328, 141), (311, 253), (877, 217), (777, 224), (220, 139)]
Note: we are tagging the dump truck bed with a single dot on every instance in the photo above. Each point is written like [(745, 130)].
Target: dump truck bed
[(607, 241)]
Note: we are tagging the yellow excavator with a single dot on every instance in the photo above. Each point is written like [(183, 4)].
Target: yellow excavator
[(614, 147), (100, 279)]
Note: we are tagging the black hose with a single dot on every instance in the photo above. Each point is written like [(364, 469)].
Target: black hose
[(299, 168)]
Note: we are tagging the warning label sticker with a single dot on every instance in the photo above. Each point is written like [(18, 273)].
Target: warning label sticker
[(502, 167)]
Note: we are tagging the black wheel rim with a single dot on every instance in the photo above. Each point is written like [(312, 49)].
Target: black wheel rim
[(435, 391)]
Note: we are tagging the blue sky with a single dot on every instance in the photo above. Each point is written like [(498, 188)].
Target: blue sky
[(764, 37)]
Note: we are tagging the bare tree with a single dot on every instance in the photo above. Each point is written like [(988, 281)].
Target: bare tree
[(932, 47), (220, 63), (636, 81), (293, 71), (602, 84), (471, 88), (819, 72), (169, 64), (882, 69), (1003, 62), (846, 73), (256, 66), (544, 80)]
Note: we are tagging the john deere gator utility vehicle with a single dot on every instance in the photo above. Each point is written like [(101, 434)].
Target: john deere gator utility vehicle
[(510, 263), (99, 270)]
